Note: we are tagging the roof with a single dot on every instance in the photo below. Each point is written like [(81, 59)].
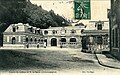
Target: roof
[(94, 32), (66, 27)]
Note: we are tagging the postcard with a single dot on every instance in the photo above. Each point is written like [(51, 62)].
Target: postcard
[(59, 37)]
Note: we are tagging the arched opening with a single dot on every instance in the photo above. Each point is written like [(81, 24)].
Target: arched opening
[(54, 32), (45, 32), (35, 40), (37, 45), (14, 29), (99, 27), (45, 41), (27, 45), (72, 39), (63, 39), (13, 40), (53, 42), (26, 39), (31, 40), (73, 31)]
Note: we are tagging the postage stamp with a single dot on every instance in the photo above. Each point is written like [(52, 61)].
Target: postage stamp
[(68, 37)]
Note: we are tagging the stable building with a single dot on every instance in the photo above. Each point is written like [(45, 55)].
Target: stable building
[(64, 37), (26, 36), (22, 36)]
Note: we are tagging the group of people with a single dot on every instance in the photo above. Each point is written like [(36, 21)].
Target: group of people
[(91, 47), (94, 47)]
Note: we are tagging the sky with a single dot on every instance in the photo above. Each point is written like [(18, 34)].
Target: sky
[(61, 7), (66, 8)]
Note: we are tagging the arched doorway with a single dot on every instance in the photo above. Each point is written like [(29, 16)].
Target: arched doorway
[(13, 40), (45, 41), (53, 42)]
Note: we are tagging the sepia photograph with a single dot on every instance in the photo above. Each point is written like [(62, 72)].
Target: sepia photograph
[(59, 37)]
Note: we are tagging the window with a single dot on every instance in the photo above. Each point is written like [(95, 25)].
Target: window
[(73, 31), (26, 39), (35, 40), (31, 39), (45, 32), (38, 40), (54, 31), (35, 31), (63, 30), (14, 29), (99, 27), (17, 27), (113, 38), (38, 31), (7, 38), (72, 39), (116, 37), (63, 39), (42, 40), (30, 29)]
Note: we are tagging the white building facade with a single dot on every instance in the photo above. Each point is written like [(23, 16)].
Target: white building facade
[(25, 36), (64, 37), (22, 36)]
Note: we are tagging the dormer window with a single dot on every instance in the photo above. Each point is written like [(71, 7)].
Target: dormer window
[(45, 32), (63, 31), (73, 31), (99, 27), (14, 29), (17, 27), (35, 31), (54, 32), (38, 31), (30, 29)]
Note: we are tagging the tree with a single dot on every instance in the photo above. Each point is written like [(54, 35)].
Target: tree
[(11, 11), (23, 11)]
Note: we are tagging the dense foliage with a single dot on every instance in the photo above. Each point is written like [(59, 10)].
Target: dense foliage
[(23, 11)]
